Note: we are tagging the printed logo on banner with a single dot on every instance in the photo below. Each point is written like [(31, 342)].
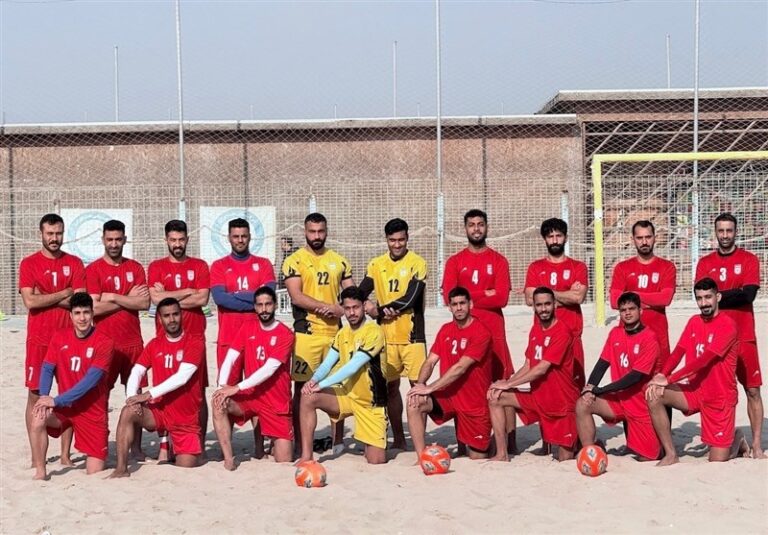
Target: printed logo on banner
[(214, 221), (83, 229)]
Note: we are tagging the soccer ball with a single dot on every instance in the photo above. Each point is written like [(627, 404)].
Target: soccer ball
[(592, 461), (310, 474), (434, 459)]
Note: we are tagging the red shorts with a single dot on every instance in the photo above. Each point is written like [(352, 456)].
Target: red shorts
[(641, 437), (748, 365), (33, 363), (472, 428), (501, 366), (123, 360), (273, 424), (91, 436), (557, 429), (185, 437), (236, 372), (718, 419), (579, 375)]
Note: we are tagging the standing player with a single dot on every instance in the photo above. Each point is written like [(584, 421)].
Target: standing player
[(313, 276), (47, 280), (398, 279), (737, 273), (79, 358), (173, 404), (548, 368), (187, 280), (265, 346), (463, 349), (567, 278), (632, 353), (357, 388), (652, 278), (710, 343)]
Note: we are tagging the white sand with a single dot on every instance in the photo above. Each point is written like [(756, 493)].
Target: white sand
[(529, 494)]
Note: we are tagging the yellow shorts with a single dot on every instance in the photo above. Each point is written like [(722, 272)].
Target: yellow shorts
[(370, 422), (308, 352), (404, 360)]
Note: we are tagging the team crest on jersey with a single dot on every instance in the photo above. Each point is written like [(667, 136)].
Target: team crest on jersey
[(403, 273), (567, 274), (546, 341), (463, 343), (636, 349), (190, 275), (273, 341), (66, 270), (655, 277), (489, 269), (710, 338), (737, 269), (255, 267), (129, 276), (331, 266), (89, 352), (179, 355)]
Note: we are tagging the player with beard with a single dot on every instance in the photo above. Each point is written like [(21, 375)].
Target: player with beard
[(737, 273), (47, 280), (314, 276)]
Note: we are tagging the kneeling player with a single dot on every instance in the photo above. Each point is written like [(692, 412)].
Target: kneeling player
[(549, 368), (265, 392), (710, 345), (358, 388), (632, 352), (173, 404), (79, 358), (463, 349)]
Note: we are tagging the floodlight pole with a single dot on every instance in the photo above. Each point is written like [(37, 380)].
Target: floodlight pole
[(182, 198), (439, 161), (695, 189)]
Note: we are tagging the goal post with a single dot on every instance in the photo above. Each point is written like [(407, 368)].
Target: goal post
[(598, 214)]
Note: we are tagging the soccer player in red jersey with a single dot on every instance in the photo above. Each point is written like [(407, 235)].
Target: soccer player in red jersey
[(173, 404), (79, 359), (737, 273), (47, 280), (632, 354), (463, 349), (567, 278), (652, 278), (710, 344), (265, 347), (548, 368), (187, 280)]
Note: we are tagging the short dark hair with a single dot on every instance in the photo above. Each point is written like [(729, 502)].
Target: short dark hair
[(80, 300), (544, 290), (288, 240), (629, 297), (459, 291), (239, 223), (315, 217), (707, 283), (265, 290), (395, 225), (168, 301), (553, 224), (644, 223), (726, 216), (475, 212), (50, 219), (112, 225), (175, 225), (352, 292)]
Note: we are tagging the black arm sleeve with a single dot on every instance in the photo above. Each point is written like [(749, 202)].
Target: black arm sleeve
[(408, 299), (366, 286), (738, 296), (631, 379), (597, 372)]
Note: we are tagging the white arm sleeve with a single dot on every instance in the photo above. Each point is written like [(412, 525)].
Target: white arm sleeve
[(134, 380), (226, 366), (260, 375), (180, 378)]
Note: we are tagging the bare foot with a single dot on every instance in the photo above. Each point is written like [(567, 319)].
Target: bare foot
[(119, 473), (230, 465), (667, 460), (66, 461), (757, 452), (501, 457), (40, 475)]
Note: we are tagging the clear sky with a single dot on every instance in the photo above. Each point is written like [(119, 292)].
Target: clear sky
[(299, 60)]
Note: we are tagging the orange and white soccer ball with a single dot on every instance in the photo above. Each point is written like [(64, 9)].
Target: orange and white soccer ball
[(310, 474), (592, 461), (434, 459)]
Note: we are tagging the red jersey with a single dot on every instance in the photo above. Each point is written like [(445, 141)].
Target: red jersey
[(163, 357), (556, 392), (192, 273), (451, 343), (559, 277), (730, 272), (73, 357), (655, 283), (625, 352), (238, 275), (102, 277), (49, 275), (257, 344), (478, 272)]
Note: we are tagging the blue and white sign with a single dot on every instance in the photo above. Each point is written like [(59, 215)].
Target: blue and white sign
[(214, 229), (83, 230)]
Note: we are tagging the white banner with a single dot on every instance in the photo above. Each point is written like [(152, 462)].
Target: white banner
[(214, 229), (83, 230)]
